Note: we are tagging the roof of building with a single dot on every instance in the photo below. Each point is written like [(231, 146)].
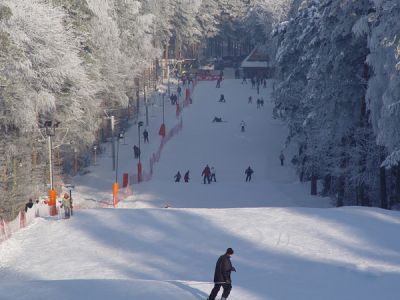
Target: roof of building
[(256, 59)]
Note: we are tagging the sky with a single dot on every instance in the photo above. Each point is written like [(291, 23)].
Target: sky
[(163, 239)]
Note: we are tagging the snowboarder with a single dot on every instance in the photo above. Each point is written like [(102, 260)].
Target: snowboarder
[(186, 177), (248, 173), (213, 178), (177, 177), (222, 98), (206, 174), (250, 100), (282, 158), (242, 126), (146, 136), (222, 275)]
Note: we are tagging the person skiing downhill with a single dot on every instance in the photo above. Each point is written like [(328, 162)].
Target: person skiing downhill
[(248, 173), (206, 174), (242, 126), (145, 136), (177, 177), (213, 178), (282, 158), (186, 176), (222, 275)]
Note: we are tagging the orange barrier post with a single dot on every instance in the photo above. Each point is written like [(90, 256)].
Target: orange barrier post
[(162, 130), (52, 202), (115, 194), (139, 172), (22, 219), (125, 180)]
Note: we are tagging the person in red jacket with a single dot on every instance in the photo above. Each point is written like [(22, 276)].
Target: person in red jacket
[(206, 174)]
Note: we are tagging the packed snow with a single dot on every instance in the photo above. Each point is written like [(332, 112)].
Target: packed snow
[(288, 245)]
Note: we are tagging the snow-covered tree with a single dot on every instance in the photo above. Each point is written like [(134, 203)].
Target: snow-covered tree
[(322, 95)]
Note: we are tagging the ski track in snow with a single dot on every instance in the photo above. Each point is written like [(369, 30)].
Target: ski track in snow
[(288, 244)]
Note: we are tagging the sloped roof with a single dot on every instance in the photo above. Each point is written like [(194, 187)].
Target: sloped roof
[(256, 59)]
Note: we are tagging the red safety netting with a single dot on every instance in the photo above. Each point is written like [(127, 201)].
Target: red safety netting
[(155, 157)]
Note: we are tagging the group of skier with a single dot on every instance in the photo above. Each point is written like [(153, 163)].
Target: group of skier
[(173, 98), (209, 175), (178, 176)]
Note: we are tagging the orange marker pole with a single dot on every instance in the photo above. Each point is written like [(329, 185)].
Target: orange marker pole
[(115, 194), (52, 202)]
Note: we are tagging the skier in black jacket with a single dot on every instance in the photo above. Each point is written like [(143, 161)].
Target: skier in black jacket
[(222, 275)]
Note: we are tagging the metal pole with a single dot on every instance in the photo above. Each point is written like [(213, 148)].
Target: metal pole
[(147, 108), (137, 103), (169, 91), (75, 161), (139, 141), (113, 142), (163, 108), (116, 169), (50, 160)]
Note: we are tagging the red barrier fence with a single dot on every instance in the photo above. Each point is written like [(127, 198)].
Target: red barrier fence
[(155, 157), (43, 209), (22, 220), (208, 77)]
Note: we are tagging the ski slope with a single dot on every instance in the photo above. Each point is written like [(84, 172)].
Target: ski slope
[(288, 245)]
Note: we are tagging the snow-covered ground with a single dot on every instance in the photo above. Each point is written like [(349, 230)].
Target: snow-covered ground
[(288, 245)]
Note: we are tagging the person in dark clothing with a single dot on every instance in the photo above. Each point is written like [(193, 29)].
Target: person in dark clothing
[(222, 98), (248, 173), (146, 136), (253, 83), (29, 204), (218, 83), (177, 177), (206, 174), (136, 151), (244, 80), (186, 177), (242, 126), (222, 275), (217, 120), (282, 158)]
